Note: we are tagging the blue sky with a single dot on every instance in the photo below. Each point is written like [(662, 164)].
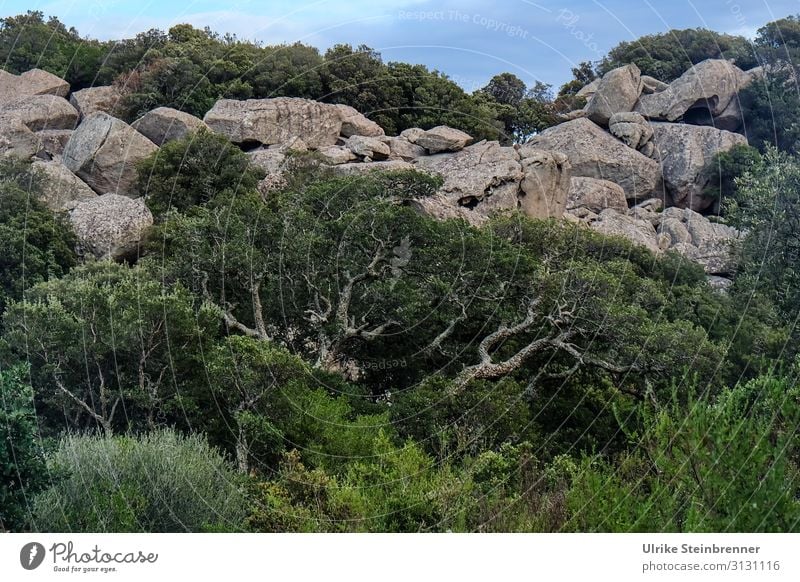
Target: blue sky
[(469, 40)]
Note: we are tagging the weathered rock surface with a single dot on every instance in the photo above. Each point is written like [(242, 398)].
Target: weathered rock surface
[(545, 184), (272, 161), (596, 195), (401, 148), (708, 86), (104, 151), (618, 91), (633, 130), (165, 124), (594, 153), (354, 123), (652, 85), (368, 147), (17, 140), (96, 99), (697, 238), (335, 155), (276, 121), (636, 230), (40, 112), (442, 139), (53, 141), (111, 226), (478, 180), (360, 168), (686, 153), (588, 90), (33, 82), (61, 187)]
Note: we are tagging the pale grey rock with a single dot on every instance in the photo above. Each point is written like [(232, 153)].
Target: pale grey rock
[(442, 139), (686, 153), (164, 124), (29, 83), (61, 188), (111, 226), (104, 152), (636, 230), (618, 91), (368, 147), (545, 184), (53, 141), (360, 168), (39, 112), (276, 121), (104, 99), (354, 123), (596, 195), (335, 155), (594, 153), (402, 149)]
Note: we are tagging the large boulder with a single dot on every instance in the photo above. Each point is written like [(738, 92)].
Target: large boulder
[(276, 121), (702, 93), (40, 112), (594, 153), (596, 195), (478, 180), (354, 123), (710, 244), (16, 140), (368, 147), (441, 139), (618, 91), (402, 149), (111, 226), (33, 82), (335, 155), (164, 124), (588, 90), (52, 142), (104, 153), (545, 184), (361, 168), (104, 99), (637, 230), (61, 188), (686, 153)]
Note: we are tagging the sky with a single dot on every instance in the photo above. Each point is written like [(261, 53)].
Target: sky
[(469, 40)]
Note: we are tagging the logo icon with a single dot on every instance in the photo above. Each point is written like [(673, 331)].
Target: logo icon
[(31, 555)]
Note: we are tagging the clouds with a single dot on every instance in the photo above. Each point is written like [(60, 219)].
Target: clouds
[(470, 40)]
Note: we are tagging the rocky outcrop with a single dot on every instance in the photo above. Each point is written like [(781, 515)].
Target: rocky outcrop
[(634, 131), (686, 153), (596, 195), (618, 91), (335, 155), (96, 99), (594, 153), (33, 82), (545, 184), (165, 124), (360, 168), (52, 142), (104, 151), (39, 112), (709, 244), (652, 85), (369, 148), (17, 140), (354, 123), (637, 230), (701, 94), (276, 121), (478, 180), (587, 91), (111, 226), (61, 188), (271, 160), (440, 139), (402, 149)]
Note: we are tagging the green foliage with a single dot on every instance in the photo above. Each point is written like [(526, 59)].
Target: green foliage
[(159, 482), (666, 56), (22, 465), (37, 245), (725, 168), (767, 207), (707, 465), (110, 347), (193, 170)]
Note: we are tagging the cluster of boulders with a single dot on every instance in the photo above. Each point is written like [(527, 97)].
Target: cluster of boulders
[(637, 146)]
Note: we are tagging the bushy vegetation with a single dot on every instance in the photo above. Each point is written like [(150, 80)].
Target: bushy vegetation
[(322, 357)]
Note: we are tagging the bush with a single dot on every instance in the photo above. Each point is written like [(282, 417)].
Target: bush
[(160, 482), (193, 170)]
